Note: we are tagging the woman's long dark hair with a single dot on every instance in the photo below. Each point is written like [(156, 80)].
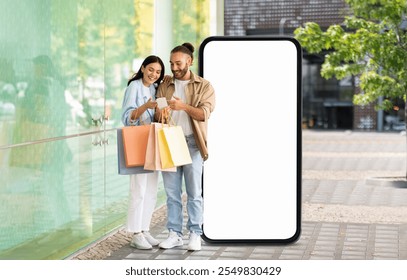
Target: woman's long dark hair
[(147, 61)]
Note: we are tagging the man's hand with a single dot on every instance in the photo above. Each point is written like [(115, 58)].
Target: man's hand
[(176, 104)]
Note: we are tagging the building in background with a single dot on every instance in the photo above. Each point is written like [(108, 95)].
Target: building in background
[(327, 103)]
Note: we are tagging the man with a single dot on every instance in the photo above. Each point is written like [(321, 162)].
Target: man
[(191, 100)]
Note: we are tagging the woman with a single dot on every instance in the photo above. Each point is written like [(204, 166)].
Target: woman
[(138, 108)]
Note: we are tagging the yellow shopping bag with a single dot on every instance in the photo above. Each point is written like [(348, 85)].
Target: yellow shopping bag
[(173, 147)]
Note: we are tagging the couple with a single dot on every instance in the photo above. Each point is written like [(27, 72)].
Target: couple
[(191, 100)]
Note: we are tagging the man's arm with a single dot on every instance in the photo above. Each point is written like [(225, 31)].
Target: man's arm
[(195, 113)]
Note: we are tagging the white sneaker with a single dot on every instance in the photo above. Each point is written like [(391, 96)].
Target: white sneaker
[(150, 239), (172, 241), (140, 242), (194, 242)]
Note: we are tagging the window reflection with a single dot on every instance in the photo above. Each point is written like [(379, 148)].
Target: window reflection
[(8, 88), (63, 70)]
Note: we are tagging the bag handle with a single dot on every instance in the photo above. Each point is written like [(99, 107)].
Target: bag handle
[(166, 115), (133, 122)]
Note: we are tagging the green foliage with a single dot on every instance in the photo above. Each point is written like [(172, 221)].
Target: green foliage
[(370, 44), (191, 22), (191, 19)]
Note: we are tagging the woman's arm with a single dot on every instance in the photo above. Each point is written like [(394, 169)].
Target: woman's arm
[(131, 111)]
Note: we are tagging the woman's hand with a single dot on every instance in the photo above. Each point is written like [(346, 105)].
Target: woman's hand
[(167, 79), (150, 104)]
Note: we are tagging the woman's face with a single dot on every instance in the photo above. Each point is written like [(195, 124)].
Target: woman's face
[(151, 73)]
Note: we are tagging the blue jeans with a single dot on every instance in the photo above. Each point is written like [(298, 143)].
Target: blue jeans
[(193, 185)]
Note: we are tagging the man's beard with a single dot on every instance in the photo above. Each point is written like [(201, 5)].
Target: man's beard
[(180, 73)]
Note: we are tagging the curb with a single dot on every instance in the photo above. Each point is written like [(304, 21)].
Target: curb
[(397, 182)]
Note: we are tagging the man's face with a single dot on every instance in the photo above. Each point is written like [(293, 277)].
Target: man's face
[(180, 63)]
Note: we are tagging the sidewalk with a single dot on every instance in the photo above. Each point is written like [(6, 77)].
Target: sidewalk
[(344, 216)]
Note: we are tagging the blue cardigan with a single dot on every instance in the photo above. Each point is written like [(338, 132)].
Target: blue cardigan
[(134, 97)]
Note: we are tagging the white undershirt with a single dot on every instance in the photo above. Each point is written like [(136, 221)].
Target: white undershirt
[(180, 117), (146, 91)]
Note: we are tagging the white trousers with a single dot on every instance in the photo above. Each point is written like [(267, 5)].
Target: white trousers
[(142, 201)]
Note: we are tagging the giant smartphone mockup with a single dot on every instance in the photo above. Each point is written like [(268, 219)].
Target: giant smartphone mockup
[(252, 178)]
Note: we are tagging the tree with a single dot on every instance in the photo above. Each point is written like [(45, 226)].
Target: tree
[(371, 44)]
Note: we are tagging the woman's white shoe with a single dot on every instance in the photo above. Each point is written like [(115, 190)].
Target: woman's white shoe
[(140, 242), (150, 239)]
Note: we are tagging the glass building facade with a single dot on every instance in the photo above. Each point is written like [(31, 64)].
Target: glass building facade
[(63, 69)]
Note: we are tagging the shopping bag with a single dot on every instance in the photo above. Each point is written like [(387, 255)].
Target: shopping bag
[(165, 155), (153, 157), (173, 147), (122, 168), (135, 143)]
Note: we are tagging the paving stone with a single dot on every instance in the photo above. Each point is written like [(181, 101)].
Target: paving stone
[(233, 254), (260, 256), (170, 257), (205, 253), (335, 168), (194, 257), (138, 256)]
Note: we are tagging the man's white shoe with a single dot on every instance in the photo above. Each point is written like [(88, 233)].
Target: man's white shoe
[(194, 242), (150, 239), (172, 241), (140, 242)]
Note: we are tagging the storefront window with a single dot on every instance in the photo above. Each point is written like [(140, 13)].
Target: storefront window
[(63, 70)]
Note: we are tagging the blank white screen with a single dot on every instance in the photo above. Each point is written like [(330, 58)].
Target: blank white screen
[(250, 177)]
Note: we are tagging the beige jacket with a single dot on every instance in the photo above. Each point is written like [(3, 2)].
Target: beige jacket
[(200, 94)]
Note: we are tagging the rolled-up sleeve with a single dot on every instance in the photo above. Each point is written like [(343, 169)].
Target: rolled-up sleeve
[(207, 102)]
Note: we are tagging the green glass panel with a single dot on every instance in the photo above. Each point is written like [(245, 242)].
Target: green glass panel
[(51, 67), (117, 186), (52, 197), (64, 66), (61, 195)]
